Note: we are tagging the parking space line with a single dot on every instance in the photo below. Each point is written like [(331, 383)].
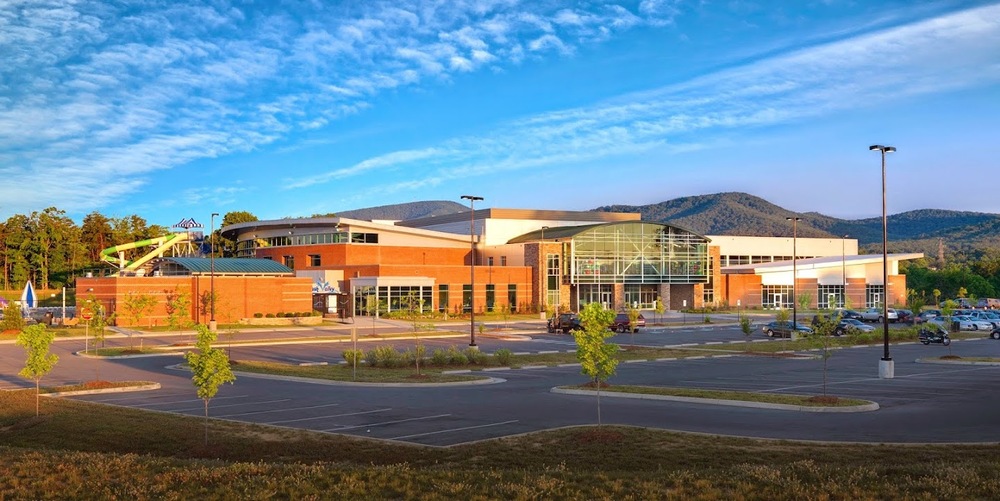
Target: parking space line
[(328, 416), (185, 401), (369, 425), (234, 405), (278, 410), (453, 430)]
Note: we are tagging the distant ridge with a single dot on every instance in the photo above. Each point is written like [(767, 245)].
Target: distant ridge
[(409, 210), (735, 213)]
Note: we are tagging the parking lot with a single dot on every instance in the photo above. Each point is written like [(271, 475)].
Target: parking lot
[(923, 403)]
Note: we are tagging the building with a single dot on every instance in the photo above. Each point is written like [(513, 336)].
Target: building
[(530, 260)]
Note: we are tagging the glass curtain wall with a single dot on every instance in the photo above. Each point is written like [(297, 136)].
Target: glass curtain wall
[(638, 253), (830, 296), (391, 298)]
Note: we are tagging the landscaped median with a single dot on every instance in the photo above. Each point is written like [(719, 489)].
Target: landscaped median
[(94, 387), (802, 403), (955, 359)]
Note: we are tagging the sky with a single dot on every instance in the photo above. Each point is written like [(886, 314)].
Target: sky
[(173, 109)]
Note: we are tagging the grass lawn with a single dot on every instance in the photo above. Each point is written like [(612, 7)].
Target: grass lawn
[(771, 398), (80, 450)]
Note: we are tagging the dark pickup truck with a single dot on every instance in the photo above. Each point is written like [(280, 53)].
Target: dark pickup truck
[(565, 322)]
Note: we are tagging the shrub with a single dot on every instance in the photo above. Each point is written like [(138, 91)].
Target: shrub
[(439, 358), (353, 357), (371, 358), (411, 356), (281, 314), (456, 357), (258, 315), (269, 315), (387, 356), (475, 357), (503, 356)]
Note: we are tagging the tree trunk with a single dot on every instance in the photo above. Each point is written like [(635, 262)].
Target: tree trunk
[(36, 396), (206, 422)]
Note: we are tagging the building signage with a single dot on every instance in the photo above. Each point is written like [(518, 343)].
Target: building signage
[(188, 223)]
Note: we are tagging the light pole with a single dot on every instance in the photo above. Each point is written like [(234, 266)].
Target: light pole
[(886, 368), (795, 275), (472, 273), (544, 270), (212, 326), (843, 270)]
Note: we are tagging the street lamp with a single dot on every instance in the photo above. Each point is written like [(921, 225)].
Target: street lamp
[(544, 269), (795, 275), (212, 326), (886, 368), (472, 273), (843, 270)]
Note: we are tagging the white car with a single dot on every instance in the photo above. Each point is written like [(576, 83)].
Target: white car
[(967, 323)]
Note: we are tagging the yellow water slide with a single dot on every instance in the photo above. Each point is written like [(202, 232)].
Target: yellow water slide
[(116, 255)]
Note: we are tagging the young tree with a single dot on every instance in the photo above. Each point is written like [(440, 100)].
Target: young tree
[(136, 307), (178, 309), (36, 340), (633, 321), (99, 321), (937, 296), (596, 355), (917, 303), (805, 301), (660, 309), (824, 328), (209, 368), (747, 327), (414, 305)]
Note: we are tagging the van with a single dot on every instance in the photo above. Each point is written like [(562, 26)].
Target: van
[(988, 303)]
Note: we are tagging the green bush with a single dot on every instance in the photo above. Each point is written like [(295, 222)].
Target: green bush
[(281, 314), (353, 357), (371, 358), (258, 315), (475, 357), (439, 358), (269, 315), (388, 357), (503, 356), (411, 356), (12, 319), (456, 357)]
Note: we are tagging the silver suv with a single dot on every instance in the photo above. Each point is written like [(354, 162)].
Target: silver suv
[(875, 315)]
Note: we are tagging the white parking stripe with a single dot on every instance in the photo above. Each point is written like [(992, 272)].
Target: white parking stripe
[(328, 416), (453, 430), (387, 422), (278, 410), (185, 401), (233, 405)]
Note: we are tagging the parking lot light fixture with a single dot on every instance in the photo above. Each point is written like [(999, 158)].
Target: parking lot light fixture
[(472, 273), (886, 368), (795, 275)]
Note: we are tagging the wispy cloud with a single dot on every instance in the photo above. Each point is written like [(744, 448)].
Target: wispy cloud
[(951, 52), (94, 96)]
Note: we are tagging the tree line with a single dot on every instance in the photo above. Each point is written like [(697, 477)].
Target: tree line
[(49, 249)]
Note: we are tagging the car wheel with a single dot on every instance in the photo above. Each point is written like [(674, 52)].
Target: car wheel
[(946, 341), (879, 320), (565, 331), (838, 332), (975, 327), (995, 334), (622, 329), (769, 333)]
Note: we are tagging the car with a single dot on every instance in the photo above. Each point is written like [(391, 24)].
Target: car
[(848, 314), (845, 326), (906, 316), (784, 329), (564, 322), (989, 316), (967, 323), (926, 315), (621, 323), (875, 315), (988, 303)]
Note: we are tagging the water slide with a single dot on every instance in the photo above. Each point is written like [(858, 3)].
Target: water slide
[(116, 255)]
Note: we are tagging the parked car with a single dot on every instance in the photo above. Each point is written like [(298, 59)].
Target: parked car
[(784, 329), (988, 303), (845, 326), (905, 316), (989, 316), (847, 314), (565, 322), (621, 323), (926, 315), (967, 323), (875, 315)]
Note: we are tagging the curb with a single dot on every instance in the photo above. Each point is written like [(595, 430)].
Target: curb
[(714, 401), (330, 382), (953, 362), (121, 389)]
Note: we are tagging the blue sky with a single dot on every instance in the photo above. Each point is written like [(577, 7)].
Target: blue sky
[(171, 109)]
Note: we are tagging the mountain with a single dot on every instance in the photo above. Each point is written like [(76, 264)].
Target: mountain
[(743, 214), (411, 210)]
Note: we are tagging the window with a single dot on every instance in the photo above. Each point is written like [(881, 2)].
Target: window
[(776, 296), (874, 295), (830, 296), (364, 238), (443, 298), (512, 297), (289, 261), (314, 260), (639, 253), (466, 298), (489, 261), (491, 296), (503, 260), (551, 285)]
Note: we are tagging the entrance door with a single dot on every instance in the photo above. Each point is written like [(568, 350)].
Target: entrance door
[(876, 299), (831, 300), (606, 299), (777, 300)]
